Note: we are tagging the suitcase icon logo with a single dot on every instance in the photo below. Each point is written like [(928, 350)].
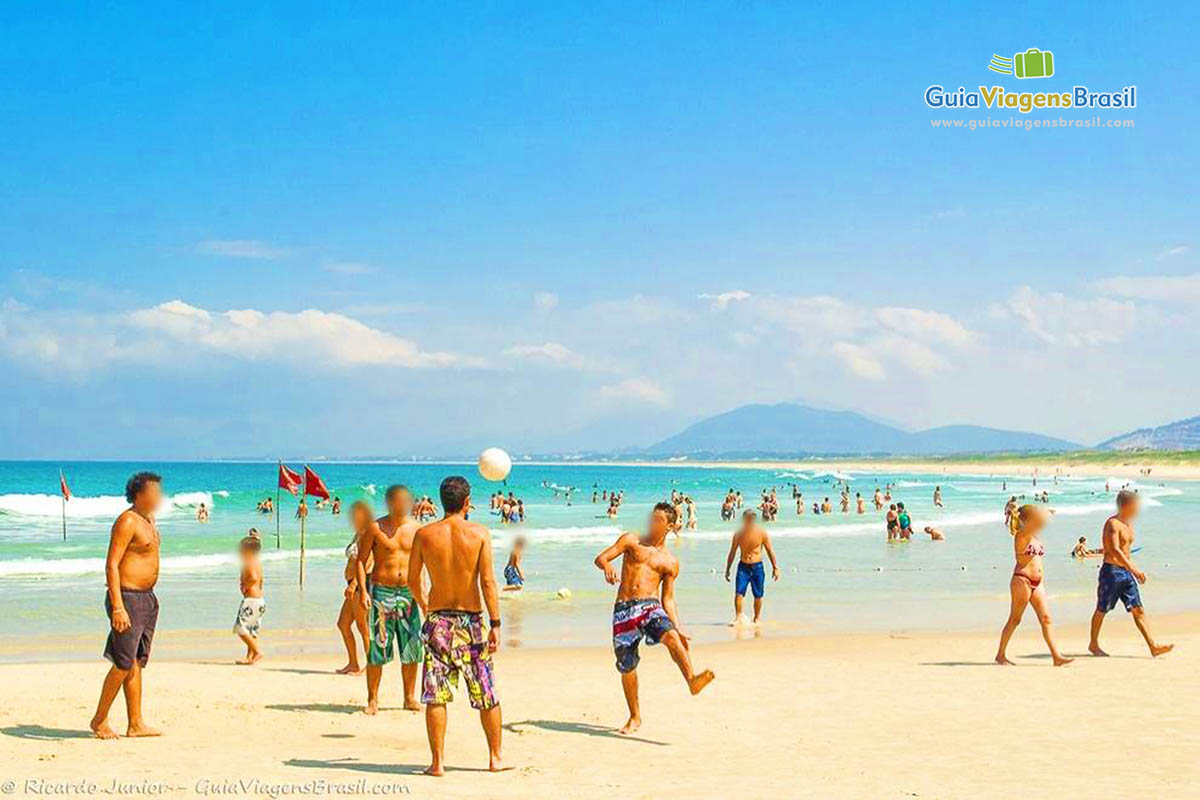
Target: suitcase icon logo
[(1033, 63)]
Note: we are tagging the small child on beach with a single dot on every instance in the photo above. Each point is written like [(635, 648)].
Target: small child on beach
[(253, 607), (514, 577)]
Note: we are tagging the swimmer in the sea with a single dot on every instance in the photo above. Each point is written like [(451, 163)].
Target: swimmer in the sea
[(514, 577), (934, 534)]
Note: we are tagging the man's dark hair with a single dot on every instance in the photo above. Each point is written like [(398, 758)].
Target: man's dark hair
[(454, 491), (1125, 497), (394, 489), (748, 514), (135, 485), (667, 509)]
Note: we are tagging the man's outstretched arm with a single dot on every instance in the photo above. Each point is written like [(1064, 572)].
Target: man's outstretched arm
[(604, 561)]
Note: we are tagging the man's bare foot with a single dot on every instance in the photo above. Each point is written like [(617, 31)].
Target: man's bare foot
[(1158, 649), (698, 682), (140, 730), (1095, 650), (1060, 661), (412, 705), (631, 725), (372, 708), (435, 770), (248, 660), (495, 764), (1004, 662), (101, 729), (350, 669)]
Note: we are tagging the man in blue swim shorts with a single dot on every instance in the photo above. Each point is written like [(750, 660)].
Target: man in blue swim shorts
[(751, 539), (1119, 577)]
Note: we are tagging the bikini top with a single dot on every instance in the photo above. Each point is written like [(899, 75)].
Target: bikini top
[(1035, 548)]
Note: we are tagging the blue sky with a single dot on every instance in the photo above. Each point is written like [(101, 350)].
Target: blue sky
[(561, 225)]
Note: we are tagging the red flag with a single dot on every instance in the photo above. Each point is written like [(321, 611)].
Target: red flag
[(63, 487), (313, 484), (289, 480)]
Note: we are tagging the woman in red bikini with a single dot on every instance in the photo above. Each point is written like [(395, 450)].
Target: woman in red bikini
[(1026, 584)]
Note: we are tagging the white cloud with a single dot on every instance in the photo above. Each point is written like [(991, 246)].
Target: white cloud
[(1056, 318), (1165, 288), (308, 335), (550, 352), (858, 361), (639, 391), (721, 301), (925, 325), (242, 248), (545, 301), (1177, 250)]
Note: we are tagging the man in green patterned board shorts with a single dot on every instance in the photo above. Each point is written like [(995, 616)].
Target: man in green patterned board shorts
[(394, 621)]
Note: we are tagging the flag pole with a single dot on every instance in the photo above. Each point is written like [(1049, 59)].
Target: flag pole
[(277, 474), (303, 518)]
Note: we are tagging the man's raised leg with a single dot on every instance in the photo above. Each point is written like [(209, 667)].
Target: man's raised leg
[(113, 682), (679, 652), (435, 728), (1139, 619)]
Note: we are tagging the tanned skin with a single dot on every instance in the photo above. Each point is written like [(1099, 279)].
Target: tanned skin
[(132, 563), (389, 540), (457, 554)]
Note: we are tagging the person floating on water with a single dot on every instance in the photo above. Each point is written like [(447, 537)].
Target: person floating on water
[(751, 539), (1119, 577), (645, 606), (1025, 585), (252, 607)]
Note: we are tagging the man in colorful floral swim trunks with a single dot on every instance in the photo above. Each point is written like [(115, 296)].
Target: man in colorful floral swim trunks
[(458, 556), (645, 607)]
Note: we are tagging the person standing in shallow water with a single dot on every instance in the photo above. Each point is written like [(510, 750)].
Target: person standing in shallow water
[(131, 572), (1026, 585)]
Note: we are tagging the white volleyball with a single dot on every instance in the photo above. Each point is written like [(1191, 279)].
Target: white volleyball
[(494, 464), (563, 594)]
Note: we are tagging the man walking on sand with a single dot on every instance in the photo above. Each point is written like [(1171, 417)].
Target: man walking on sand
[(131, 571), (751, 539), (458, 556), (393, 621), (1119, 577), (645, 606)]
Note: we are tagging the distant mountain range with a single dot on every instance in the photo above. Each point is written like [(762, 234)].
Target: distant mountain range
[(1181, 435), (793, 429)]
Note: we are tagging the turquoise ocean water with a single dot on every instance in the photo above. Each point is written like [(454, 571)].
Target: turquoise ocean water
[(838, 571)]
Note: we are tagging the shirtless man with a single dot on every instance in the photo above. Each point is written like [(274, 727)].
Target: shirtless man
[(645, 606), (1119, 577), (131, 571), (751, 539), (458, 556), (393, 621)]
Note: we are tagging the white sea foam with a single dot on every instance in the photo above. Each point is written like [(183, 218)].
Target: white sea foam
[(37, 567), (50, 505)]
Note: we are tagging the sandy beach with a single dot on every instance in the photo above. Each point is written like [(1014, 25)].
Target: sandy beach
[(872, 716)]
